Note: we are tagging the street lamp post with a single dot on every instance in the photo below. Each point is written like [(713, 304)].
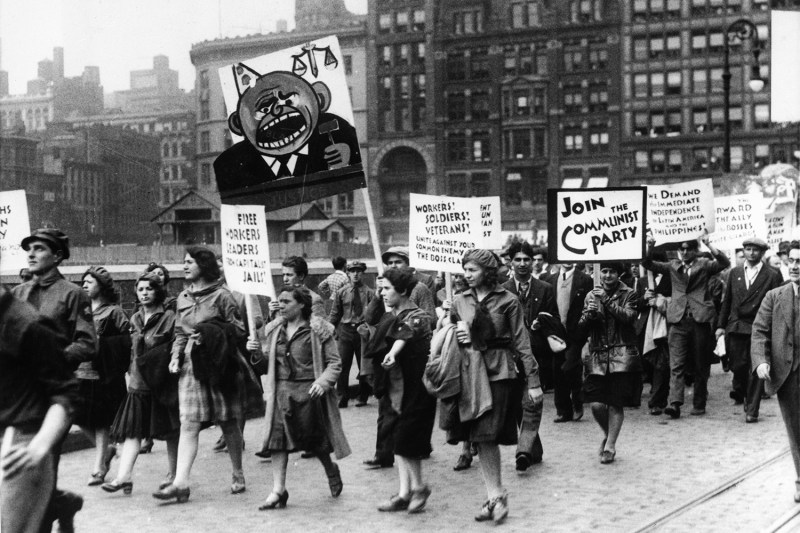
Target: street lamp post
[(741, 30)]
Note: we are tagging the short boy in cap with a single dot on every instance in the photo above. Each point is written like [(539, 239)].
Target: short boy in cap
[(69, 309), (347, 313), (747, 285)]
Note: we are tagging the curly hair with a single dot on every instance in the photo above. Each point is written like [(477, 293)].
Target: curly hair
[(520, 247), (402, 279), (302, 296), (155, 284), (152, 266), (296, 263), (108, 291), (206, 259)]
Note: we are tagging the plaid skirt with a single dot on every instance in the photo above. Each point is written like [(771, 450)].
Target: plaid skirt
[(202, 402)]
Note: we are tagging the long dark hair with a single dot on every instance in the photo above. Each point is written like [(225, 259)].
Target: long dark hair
[(206, 259)]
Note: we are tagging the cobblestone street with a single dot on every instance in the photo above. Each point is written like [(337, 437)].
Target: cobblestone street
[(661, 465)]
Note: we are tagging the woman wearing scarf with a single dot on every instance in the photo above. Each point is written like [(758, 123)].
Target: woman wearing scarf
[(204, 396), (613, 366), (302, 411), (491, 320)]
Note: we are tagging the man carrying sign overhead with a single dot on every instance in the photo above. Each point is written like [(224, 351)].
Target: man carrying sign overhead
[(692, 315)]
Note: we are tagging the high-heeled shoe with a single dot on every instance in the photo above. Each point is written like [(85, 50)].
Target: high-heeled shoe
[(335, 481), (237, 484), (168, 479), (97, 478), (279, 501), (147, 447), (113, 486), (181, 495)]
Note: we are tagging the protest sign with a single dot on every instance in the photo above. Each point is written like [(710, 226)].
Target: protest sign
[(14, 226), (291, 114), (680, 211), (736, 219), (442, 228), (591, 225), (780, 224), (245, 249)]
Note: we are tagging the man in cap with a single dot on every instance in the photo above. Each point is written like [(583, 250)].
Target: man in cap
[(747, 285), (347, 313), (69, 309), (691, 315), (39, 396), (422, 296), (295, 270), (776, 354)]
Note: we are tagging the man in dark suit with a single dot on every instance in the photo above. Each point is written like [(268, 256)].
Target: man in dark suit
[(747, 285), (776, 354), (535, 296), (570, 286), (691, 315)]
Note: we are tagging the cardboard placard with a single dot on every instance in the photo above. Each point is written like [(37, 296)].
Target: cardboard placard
[(680, 212), (291, 119), (442, 228), (736, 219), (245, 249), (14, 226), (592, 225)]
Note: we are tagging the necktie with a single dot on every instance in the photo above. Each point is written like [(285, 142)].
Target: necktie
[(523, 291), (357, 308), (283, 169)]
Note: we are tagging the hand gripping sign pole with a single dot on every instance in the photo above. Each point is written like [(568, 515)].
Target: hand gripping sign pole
[(373, 232)]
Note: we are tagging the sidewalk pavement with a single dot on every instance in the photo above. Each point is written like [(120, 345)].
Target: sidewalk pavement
[(661, 463)]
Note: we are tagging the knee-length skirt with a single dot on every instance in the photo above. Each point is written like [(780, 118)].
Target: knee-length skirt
[(203, 402), (298, 421)]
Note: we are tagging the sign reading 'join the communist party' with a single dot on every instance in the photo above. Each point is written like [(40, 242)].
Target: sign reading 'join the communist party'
[(592, 225)]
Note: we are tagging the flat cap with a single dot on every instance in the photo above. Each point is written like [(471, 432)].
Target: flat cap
[(356, 265), (53, 237), (402, 251), (755, 241)]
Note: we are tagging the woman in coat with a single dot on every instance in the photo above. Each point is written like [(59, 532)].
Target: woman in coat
[(302, 413), (102, 381), (491, 320), (145, 413), (613, 365), (407, 342), (202, 401)]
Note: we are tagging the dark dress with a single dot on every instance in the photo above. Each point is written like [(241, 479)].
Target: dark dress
[(146, 412), (298, 421), (102, 381), (417, 408)]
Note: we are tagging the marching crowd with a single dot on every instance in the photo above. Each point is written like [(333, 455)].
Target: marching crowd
[(481, 353)]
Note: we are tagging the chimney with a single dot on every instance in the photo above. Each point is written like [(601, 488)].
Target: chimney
[(58, 63), (281, 26)]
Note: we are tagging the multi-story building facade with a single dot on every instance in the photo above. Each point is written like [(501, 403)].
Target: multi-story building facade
[(673, 116), (501, 98), (314, 19)]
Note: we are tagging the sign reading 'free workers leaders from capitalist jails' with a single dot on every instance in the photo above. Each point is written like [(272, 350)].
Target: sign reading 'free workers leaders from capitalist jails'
[(245, 249), (592, 225), (442, 228), (14, 226)]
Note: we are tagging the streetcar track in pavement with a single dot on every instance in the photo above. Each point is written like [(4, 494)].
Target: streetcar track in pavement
[(788, 522), (665, 518)]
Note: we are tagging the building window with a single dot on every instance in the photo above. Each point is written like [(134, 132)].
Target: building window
[(573, 99), (403, 56), (573, 60), (675, 161), (761, 155), (419, 20), (456, 105), (640, 85), (419, 57), (573, 141), (348, 64), (673, 122), (205, 142), (165, 150), (419, 85), (699, 81), (539, 101), (657, 124), (699, 42), (539, 142), (479, 101), (598, 58), (456, 69), (641, 124), (641, 161), (205, 111), (656, 47), (700, 159), (405, 87), (640, 12), (481, 146), (204, 79), (657, 161), (736, 117), (598, 97), (525, 14), (345, 201), (541, 63), (479, 64), (640, 51), (717, 118), (468, 21), (517, 144), (457, 184), (737, 157), (761, 116), (386, 91), (715, 75), (205, 175), (674, 79), (673, 45), (656, 84), (700, 119), (401, 22), (456, 147), (598, 178), (386, 56), (385, 23), (598, 139)]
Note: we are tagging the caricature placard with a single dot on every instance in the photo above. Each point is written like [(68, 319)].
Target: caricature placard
[(292, 122)]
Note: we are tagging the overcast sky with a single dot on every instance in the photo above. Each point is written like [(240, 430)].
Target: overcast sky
[(124, 35)]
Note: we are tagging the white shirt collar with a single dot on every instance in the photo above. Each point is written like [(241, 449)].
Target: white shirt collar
[(275, 165), (567, 274)]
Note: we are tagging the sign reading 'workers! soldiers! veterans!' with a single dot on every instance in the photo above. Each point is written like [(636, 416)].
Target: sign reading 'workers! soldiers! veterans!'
[(680, 211), (245, 249), (14, 226), (591, 225), (442, 228)]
